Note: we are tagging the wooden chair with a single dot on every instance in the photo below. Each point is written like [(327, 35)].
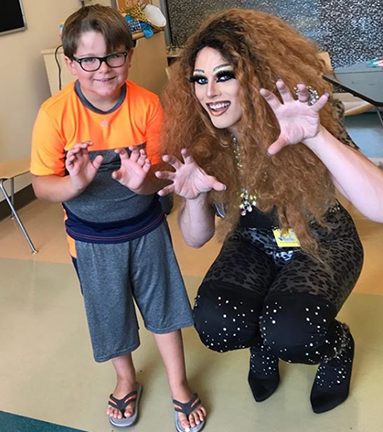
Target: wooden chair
[(8, 171)]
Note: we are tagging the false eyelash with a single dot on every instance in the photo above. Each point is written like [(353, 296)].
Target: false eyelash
[(195, 78), (226, 73), (221, 74)]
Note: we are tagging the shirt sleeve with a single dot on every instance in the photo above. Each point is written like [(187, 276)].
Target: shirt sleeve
[(47, 155), (153, 131)]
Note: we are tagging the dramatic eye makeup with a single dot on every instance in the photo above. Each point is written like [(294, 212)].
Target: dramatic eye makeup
[(198, 78), (225, 75), (221, 75)]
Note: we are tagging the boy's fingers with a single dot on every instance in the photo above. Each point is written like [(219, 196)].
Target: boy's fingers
[(135, 149), (82, 145), (122, 153), (147, 166), (98, 161), (75, 150), (143, 159), (135, 155), (117, 175)]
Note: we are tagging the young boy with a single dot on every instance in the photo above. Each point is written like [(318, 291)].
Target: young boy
[(95, 146)]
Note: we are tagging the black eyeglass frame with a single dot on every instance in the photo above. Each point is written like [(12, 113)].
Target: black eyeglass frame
[(101, 60)]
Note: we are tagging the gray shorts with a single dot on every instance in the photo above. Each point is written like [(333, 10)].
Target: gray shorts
[(112, 275)]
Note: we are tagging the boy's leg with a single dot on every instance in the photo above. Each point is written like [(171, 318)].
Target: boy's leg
[(161, 297), (126, 383), (171, 349), (110, 311)]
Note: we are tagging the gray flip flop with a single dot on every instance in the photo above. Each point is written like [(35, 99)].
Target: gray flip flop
[(187, 408), (121, 405)]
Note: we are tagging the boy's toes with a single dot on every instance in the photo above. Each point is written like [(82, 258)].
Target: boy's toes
[(184, 421), (197, 416), (129, 412), (193, 420), (112, 412), (117, 414), (201, 413), (189, 415)]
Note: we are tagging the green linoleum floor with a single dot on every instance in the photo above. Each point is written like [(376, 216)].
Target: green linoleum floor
[(46, 366), (14, 423)]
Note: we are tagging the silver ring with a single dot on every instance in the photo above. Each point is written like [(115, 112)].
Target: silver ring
[(313, 95)]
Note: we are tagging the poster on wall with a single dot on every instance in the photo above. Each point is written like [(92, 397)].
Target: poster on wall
[(349, 30), (11, 16)]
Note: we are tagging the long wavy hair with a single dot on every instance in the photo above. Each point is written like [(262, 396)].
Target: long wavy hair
[(262, 48)]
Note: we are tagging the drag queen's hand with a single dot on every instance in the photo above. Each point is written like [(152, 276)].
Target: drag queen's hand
[(298, 119), (188, 180)]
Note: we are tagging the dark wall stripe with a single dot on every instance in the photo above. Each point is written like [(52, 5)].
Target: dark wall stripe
[(22, 198)]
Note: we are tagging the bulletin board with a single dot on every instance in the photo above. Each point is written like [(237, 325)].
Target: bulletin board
[(350, 30), (11, 16), (124, 4)]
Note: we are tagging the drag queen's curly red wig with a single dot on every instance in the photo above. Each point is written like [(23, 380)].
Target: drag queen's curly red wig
[(262, 49)]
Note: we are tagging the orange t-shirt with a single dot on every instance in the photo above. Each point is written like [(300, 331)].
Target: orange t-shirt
[(64, 120), (67, 118)]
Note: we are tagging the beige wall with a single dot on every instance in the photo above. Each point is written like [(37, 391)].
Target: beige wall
[(23, 80)]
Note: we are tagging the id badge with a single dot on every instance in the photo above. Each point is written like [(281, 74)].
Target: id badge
[(288, 239)]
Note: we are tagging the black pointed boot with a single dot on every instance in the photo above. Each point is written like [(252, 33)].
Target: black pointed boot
[(263, 374), (332, 381)]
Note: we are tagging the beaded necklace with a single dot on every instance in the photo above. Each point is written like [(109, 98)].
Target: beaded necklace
[(248, 201)]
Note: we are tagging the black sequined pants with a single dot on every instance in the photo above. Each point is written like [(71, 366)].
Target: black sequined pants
[(257, 293)]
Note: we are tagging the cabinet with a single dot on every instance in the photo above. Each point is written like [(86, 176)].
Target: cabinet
[(148, 67)]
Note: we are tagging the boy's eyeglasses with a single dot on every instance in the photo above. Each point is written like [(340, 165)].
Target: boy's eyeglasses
[(92, 64)]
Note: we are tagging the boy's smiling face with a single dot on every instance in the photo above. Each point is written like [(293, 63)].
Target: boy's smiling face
[(102, 87)]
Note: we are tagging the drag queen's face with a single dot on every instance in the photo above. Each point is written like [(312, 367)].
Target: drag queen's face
[(217, 89)]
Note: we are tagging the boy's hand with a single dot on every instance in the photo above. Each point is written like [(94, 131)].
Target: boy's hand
[(134, 168), (81, 169)]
